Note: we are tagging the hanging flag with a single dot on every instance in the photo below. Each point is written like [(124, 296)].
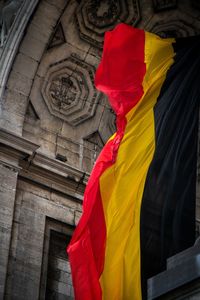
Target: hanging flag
[(139, 204)]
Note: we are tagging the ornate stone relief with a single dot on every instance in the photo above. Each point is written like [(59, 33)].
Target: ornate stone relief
[(94, 17), (8, 11), (164, 4), (69, 91)]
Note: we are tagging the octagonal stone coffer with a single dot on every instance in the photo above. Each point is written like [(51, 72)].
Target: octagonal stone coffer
[(94, 17), (69, 91)]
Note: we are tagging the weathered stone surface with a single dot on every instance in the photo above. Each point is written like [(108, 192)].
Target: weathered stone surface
[(15, 102), (33, 48), (59, 3), (18, 82), (78, 214), (49, 195), (25, 65), (8, 180)]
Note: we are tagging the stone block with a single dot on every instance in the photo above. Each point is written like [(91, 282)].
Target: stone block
[(73, 159), (88, 153), (87, 165), (47, 208), (34, 31), (24, 268), (47, 148), (12, 121), (31, 238), (25, 65), (68, 144), (32, 219), (15, 102), (77, 216), (8, 178), (63, 200), (60, 287), (60, 264), (59, 3), (33, 188), (61, 276), (24, 288), (32, 256), (32, 47), (6, 217), (18, 82), (46, 23), (6, 198)]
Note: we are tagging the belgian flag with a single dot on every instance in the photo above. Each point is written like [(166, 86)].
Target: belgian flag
[(139, 204)]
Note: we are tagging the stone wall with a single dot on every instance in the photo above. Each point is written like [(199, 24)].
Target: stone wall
[(53, 124)]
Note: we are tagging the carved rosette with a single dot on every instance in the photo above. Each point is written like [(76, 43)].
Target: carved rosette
[(69, 91), (95, 17)]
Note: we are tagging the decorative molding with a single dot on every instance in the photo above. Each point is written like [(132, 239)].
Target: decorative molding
[(17, 143), (13, 40), (21, 155), (55, 175), (57, 167), (14, 148), (95, 17), (8, 12), (160, 5), (69, 91)]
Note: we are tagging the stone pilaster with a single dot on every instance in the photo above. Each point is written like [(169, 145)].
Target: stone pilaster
[(8, 180), (12, 149)]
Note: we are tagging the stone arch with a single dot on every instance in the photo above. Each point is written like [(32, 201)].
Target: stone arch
[(17, 86)]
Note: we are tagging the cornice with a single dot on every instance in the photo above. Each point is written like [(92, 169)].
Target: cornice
[(17, 143), (22, 155)]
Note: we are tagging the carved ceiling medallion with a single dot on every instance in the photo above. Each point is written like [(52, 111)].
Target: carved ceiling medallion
[(95, 17), (63, 91), (69, 91), (102, 13)]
